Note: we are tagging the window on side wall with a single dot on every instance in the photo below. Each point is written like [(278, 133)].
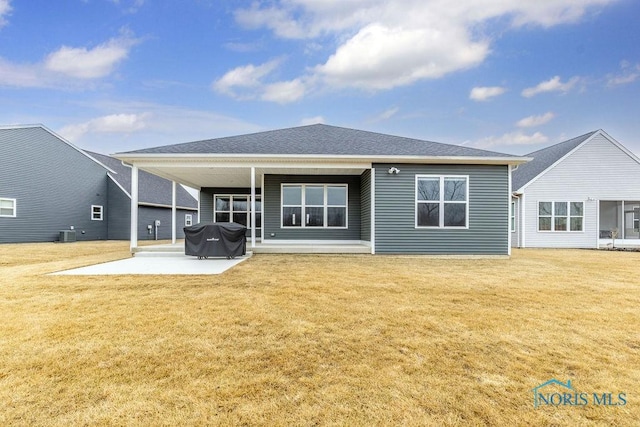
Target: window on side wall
[(96, 212), (513, 216), (560, 216), (8, 208), (314, 205), (442, 201)]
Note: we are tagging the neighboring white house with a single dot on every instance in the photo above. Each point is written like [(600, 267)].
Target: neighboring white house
[(576, 193)]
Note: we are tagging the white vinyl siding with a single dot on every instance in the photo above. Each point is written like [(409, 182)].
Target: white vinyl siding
[(8, 208), (598, 170)]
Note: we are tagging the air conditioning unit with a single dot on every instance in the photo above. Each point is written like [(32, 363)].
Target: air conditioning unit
[(67, 236)]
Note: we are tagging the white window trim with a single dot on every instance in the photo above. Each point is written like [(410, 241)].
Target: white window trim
[(553, 216), (512, 217), (325, 205), (101, 213), (188, 220), (15, 207), (231, 211), (441, 202)]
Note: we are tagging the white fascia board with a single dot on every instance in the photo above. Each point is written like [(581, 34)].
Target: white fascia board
[(156, 205), (159, 205), (115, 181), (142, 159)]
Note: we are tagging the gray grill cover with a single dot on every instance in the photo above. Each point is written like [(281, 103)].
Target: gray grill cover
[(219, 239)]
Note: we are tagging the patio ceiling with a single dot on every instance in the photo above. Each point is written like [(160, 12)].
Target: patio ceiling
[(222, 175)]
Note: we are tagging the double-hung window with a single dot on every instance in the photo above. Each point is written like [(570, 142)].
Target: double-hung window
[(7, 208), (96, 212), (513, 217), (442, 201), (560, 216), (314, 205)]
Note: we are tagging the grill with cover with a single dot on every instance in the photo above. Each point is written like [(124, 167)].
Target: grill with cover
[(219, 239)]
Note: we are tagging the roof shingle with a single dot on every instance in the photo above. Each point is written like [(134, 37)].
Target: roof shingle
[(320, 139)]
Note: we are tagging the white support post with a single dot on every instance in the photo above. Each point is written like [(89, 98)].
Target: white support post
[(523, 231), (173, 212), (509, 197), (134, 208), (373, 211), (253, 207)]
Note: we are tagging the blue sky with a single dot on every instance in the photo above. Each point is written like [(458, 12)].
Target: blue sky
[(505, 75)]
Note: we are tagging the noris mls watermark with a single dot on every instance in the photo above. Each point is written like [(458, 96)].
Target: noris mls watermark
[(556, 393)]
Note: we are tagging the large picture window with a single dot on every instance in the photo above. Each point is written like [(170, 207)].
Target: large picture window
[(8, 207), (314, 205), (236, 208), (560, 216), (442, 201)]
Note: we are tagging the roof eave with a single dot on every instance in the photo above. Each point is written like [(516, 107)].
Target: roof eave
[(132, 158)]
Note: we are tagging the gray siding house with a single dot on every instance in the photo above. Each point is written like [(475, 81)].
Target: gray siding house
[(48, 185), (154, 204), (575, 194), (319, 185)]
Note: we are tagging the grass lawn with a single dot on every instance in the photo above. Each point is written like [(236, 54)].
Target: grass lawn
[(318, 340)]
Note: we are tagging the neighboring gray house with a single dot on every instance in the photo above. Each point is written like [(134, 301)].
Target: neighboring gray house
[(318, 185), (48, 185), (575, 193), (154, 204)]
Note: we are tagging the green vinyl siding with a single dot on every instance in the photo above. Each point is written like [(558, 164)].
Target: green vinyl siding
[(272, 208), (395, 220)]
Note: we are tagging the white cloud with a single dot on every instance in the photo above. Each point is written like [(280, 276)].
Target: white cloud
[(245, 77), (312, 120), (382, 57), (554, 84), (628, 75), (5, 9), (512, 138), (138, 125), (67, 66), (533, 121), (386, 115), (485, 93), (83, 63), (381, 45), (284, 92), (113, 123)]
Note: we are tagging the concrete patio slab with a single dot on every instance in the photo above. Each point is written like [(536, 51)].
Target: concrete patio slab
[(158, 263)]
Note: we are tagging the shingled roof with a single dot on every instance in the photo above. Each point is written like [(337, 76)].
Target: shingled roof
[(543, 159), (320, 139), (152, 189)]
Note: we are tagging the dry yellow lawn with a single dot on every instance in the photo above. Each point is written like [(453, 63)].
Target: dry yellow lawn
[(317, 340)]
